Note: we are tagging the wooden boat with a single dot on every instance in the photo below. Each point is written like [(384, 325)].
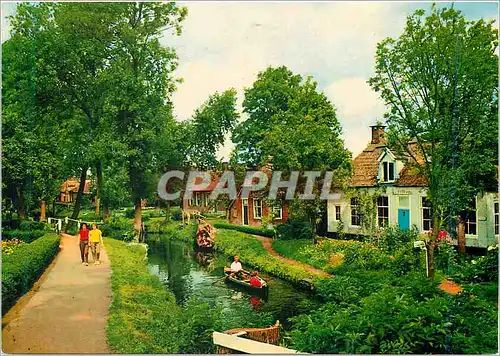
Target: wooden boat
[(263, 290), (269, 335)]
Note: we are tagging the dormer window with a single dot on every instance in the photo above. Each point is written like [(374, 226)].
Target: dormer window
[(387, 171)]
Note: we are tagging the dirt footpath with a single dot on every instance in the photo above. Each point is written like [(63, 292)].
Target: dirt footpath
[(66, 311), (267, 242)]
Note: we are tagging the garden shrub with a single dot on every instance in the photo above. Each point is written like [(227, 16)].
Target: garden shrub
[(354, 254), (130, 213), (407, 259), (392, 238), (23, 235), (476, 269), (28, 225), (394, 321), (176, 213), (294, 230), (23, 267), (118, 228), (340, 289), (246, 229)]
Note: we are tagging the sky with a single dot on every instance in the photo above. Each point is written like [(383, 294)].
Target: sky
[(225, 44)]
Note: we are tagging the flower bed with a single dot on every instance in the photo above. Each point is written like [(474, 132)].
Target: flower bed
[(23, 235)]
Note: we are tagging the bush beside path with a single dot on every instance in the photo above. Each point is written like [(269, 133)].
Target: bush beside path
[(67, 309)]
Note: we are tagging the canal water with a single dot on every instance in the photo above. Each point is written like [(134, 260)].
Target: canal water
[(192, 274)]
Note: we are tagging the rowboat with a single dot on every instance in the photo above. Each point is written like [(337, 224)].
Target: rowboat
[(244, 283)]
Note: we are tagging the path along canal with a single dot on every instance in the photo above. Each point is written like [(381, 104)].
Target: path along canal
[(192, 274)]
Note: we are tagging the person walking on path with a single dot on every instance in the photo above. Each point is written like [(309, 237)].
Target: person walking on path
[(84, 244), (95, 238)]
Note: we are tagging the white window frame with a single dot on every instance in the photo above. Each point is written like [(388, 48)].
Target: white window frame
[(358, 213), (422, 208), (475, 222), (386, 179), (196, 199), (388, 211), (278, 216), (255, 216), (335, 213)]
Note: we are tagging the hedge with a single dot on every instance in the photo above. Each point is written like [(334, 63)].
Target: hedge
[(21, 269), (246, 229), (23, 235)]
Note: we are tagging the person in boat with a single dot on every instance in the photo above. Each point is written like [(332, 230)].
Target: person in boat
[(254, 280), (236, 267)]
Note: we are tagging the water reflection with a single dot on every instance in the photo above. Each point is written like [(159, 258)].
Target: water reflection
[(199, 274)]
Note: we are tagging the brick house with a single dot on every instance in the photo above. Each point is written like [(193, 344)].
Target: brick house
[(251, 211), (69, 190), (200, 200), (402, 198), (254, 210)]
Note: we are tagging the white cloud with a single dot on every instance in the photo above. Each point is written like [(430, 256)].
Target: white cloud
[(226, 44), (358, 106)]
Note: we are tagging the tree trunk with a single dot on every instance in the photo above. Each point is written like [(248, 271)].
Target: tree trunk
[(430, 256), (138, 218), (19, 202), (430, 246), (98, 169), (167, 208), (105, 215), (312, 220), (79, 195), (42, 211), (461, 236)]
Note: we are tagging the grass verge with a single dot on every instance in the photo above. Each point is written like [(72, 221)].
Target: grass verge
[(252, 253), (144, 317), (143, 313)]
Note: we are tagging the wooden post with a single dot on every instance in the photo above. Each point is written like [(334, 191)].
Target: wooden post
[(42, 213)]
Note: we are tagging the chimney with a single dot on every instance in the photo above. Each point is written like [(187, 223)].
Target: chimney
[(377, 133)]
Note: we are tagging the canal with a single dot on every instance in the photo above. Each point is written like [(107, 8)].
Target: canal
[(191, 274)]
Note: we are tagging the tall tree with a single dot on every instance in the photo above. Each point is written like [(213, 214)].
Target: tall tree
[(73, 41), (32, 162), (141, 74), (440, 82), (293, 126), (209, 127), (268, 96)]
